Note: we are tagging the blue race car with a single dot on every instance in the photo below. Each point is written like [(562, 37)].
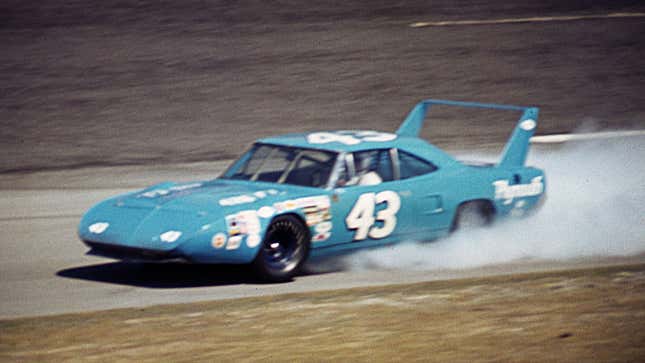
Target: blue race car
[(300, 196)]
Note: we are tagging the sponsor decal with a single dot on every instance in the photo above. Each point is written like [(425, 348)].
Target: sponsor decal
[(170, 236), (285, 206), (161, 192), (218, 240), (316, 210), (244, 222), (319, 237), (154, 193), (266, 212), (246, 198), (323, 227), (239, 199), (509, 192), (349, 137), (241, 224), (185, 187), (253, 240), (98, 228), (234, 243)]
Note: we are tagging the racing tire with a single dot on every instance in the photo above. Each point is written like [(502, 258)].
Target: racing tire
[(284, 250), (473, 215)]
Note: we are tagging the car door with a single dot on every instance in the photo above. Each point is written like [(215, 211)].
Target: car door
[(427, 185), (371, 212)]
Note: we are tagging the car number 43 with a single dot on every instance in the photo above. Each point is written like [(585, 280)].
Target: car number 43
[(363, 219)]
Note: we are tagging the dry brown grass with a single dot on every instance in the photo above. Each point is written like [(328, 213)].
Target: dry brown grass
[(574, 316)]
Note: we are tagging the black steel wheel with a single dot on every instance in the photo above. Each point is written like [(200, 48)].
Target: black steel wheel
[(472, 215), (284, 249)]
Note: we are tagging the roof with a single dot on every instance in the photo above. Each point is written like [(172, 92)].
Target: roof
[(406, 137), (348, 141), (359, 140)]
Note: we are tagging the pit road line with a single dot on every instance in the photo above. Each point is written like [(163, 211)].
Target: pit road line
[(561, 138), (544, 19)]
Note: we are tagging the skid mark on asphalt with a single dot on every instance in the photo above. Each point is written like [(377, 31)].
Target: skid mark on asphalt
[(543, 19)]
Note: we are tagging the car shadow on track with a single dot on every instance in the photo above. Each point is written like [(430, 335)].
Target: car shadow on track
[(167, 275), (162, 275)]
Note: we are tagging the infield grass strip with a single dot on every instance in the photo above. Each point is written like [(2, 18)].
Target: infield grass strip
[(575, 316)]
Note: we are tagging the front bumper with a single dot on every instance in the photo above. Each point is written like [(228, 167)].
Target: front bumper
[(133, 254)]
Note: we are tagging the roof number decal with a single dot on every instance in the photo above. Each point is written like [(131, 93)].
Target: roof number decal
[(349, 137)]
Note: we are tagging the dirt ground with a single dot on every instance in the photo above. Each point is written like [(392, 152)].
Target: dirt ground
[(569, 316), (105, 83)]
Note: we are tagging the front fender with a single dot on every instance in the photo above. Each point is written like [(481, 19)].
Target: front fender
[(241, 239), (236, 239)]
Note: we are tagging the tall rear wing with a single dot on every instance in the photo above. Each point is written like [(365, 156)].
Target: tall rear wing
[(516, 148)]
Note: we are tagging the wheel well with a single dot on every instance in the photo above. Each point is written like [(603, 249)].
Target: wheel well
[(299, 218), (484, 206), (488, 207)]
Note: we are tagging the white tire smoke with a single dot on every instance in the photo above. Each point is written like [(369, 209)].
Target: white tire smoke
[(595, 207)]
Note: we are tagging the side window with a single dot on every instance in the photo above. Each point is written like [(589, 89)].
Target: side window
[(371, 167), (410, 165), (312, 169)]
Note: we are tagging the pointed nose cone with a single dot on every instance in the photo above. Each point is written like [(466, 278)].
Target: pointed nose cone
[(166, 229), (161, 227)]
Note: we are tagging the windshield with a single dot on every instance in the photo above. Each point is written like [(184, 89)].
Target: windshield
[(284, 164)]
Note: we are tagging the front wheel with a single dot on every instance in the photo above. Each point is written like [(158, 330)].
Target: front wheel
[(284, 249)]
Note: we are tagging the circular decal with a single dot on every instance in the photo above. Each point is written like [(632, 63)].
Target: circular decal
[(253, 240), (528, 125), (218, 240)]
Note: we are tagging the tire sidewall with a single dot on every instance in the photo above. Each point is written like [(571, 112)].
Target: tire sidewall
[(270, 274)]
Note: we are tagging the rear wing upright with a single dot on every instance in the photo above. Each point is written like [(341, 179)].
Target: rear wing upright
[(517, 146)]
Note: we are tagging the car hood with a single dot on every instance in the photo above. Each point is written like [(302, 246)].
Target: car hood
[(207, 196), (166, 215)]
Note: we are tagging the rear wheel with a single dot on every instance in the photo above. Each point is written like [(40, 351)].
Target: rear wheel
[(472, 215), (284, 249)]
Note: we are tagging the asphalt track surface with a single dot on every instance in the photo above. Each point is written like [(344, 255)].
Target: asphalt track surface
[(95, 84), (43, 269), (140, 82)]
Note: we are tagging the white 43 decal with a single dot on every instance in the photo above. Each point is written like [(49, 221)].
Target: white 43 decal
[(349, 137), (363, 220)]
